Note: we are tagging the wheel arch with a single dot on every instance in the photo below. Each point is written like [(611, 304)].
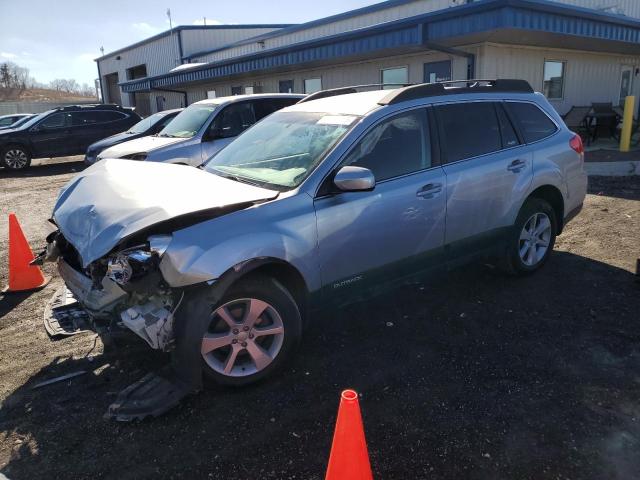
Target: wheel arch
[(281, 271), (553, 195)]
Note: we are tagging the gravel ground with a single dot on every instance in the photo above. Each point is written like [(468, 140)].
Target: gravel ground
[(476, 376)]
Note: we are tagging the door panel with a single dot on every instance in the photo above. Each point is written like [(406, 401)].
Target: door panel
[(490, 173), (52, 137), (437, 71), (367, 239)]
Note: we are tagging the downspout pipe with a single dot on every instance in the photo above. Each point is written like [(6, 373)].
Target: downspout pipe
[(100, 82), (471, 58)]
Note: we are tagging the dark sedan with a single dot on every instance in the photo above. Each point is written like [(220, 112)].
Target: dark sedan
[(149, 126)]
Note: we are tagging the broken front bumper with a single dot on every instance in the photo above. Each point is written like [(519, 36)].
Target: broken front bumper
[(99, 303)]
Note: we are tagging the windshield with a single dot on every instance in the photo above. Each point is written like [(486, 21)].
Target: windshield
[(144, 125), (282, 150), (35, 119), (187, 123)]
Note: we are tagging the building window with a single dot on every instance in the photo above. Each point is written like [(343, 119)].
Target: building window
[(395, 75), (248, 90), (312, 85), (553, 84), (211, 94), (236, 90), (285, 86)]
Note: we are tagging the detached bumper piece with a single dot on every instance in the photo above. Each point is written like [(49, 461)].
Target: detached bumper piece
[(63, 315), (151, 396)]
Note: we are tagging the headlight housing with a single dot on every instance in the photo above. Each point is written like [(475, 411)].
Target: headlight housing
[(136, 262)]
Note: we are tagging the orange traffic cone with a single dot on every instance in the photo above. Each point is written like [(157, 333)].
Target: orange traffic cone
[(22, 276), (349, 459)]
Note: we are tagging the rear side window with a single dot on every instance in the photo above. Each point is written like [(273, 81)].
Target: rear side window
[(468, 129), (533, 122), (396, 146), (509, 137), (96, 116)]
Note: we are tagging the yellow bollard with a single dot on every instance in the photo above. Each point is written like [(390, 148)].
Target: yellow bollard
[(627, 123)]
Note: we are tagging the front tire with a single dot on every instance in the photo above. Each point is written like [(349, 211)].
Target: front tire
[(250, 332), (15, 157), (532, 238)]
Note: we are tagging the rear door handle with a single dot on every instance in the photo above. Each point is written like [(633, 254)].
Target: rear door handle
[(516, 166), (430, 190)]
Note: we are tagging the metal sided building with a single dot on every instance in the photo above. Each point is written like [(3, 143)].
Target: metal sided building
[(159, 55), (575, 51)]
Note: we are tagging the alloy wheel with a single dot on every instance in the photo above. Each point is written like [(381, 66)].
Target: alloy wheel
[(244, 337), (534, 239), (15, 158)]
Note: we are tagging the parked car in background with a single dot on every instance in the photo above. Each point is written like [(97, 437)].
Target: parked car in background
[(322, 203), (62, 131), (12, 121), (148, 126), (202, 129)]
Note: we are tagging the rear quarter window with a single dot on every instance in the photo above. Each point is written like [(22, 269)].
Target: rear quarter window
[(534, 124)]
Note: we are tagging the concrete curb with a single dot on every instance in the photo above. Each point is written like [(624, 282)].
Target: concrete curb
[(613, 169)]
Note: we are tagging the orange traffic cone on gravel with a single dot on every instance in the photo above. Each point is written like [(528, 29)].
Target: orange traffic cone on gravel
[(22, 276), (349, 459)]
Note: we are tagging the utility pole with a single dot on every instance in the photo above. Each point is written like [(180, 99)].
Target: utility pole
[(178, 61)]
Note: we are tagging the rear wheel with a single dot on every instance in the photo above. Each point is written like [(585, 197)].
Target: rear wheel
[(15, 157), (532, 238), (250, 332)]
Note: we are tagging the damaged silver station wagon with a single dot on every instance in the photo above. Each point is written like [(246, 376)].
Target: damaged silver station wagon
[(326, 201)]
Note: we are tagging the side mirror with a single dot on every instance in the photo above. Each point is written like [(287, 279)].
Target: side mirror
[(354, 179)]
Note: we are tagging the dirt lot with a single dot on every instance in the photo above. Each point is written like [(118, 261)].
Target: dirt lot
[(477, 376)]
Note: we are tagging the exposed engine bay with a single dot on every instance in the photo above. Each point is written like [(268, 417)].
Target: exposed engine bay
[(122, 289)]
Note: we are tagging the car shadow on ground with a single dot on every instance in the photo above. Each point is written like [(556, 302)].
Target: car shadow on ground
[(618, 187), (472, 375), (44, 170)]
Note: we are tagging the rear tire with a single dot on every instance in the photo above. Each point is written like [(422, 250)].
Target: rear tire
[(532, 238), (251, 331), (15, 157)]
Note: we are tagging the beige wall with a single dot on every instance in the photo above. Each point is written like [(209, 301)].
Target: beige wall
[(589, 77)]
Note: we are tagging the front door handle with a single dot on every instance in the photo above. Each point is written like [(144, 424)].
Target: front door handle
[(430, 190), (516, 166)]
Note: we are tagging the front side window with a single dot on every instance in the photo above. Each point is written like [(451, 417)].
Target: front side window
[(233, 120), (57, 120), (533, 122), (553, 83), (469, 129), (6, 121), (395, 76), (265, 107), (396, 146), (188, 122), (282, 150), (312, 85)]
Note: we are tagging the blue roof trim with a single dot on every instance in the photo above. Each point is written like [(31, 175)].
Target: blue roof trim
[(166, 33), (478, 17), (303, 26)]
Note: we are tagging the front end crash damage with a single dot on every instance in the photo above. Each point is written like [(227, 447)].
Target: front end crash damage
[(116, 220)]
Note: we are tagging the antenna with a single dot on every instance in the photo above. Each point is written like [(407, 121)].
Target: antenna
[(169, 17)]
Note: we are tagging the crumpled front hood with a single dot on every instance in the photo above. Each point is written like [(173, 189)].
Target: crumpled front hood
[(114, 199), (139, 145)]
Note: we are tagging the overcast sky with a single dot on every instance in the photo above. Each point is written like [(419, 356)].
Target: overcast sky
[(61, 38)]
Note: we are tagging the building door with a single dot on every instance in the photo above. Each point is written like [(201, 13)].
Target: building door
[(626, 83), (113, 91), (437, 71), (285, 86)]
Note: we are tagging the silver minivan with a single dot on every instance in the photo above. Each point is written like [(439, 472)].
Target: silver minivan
[(324, 202), (201, 129)]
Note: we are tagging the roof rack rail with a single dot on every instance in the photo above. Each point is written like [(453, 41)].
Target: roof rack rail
[(422, 90), (107, 106), (350, 89)]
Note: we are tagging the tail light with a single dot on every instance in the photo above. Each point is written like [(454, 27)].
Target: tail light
[(576, 144)]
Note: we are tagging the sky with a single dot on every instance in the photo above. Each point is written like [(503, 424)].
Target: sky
[(61, 38)]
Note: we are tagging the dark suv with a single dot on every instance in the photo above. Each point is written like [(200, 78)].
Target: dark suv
[(61, 132)]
